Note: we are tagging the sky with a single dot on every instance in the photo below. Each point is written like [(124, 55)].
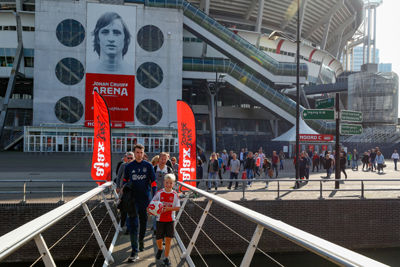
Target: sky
[(388, 34)]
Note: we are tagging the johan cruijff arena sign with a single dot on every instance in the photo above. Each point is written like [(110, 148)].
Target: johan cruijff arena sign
[(110, 59)]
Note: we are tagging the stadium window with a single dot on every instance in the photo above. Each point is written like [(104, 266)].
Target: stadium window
[(150, 38), (3, 62), (25, 28), (10, 61), (28, 61)]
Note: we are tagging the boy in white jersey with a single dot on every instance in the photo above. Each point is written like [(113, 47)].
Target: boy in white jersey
[(165, 220)]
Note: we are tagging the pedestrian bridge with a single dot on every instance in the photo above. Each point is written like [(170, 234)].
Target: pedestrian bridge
[(184, 246)]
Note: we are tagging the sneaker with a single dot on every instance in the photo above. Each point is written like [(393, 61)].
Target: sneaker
[(166, 262), (158, 255), (141, 245), (134, 257), (229, 188), (266, 187)]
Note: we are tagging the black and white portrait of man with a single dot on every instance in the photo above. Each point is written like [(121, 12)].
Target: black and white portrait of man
[(110, 49)]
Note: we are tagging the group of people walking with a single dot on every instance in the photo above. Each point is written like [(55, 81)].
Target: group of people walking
[(138, 182), (246, 163)]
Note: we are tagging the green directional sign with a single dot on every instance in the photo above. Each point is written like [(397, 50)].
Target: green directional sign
[(351, 116), (350, 129), (318, 114), (325, 103)]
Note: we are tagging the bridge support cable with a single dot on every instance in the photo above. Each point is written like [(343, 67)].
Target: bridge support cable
[(112, 216), (65, 235), (44, 251), (194, 246), (107, 256), (208, 237), (87, 242), (198, 229), (239, 235)]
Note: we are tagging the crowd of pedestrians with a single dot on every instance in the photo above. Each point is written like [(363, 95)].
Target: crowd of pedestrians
[(242, 165)]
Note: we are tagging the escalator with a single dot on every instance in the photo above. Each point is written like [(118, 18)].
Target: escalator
[(249, 69), (255, 88)]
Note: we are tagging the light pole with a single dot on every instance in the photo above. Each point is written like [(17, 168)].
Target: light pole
[(213, 89), (298, 96)]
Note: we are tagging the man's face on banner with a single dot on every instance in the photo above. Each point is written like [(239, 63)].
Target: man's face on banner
[(111, 38)]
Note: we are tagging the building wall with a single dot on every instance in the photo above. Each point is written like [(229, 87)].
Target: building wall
[(49, 51), (375, 95), (48, 89)]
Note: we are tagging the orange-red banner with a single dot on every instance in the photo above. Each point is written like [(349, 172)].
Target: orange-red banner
[(187, 143), (101, 160)]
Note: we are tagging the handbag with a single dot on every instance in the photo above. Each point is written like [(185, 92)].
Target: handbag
[(244, 177), (383, 165)]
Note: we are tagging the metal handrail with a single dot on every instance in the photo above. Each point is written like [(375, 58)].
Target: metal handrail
[(13, 240), (330, 251)]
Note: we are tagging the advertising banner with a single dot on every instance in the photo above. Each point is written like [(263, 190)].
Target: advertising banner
[(101, 159), (187, 143), (110, 60)]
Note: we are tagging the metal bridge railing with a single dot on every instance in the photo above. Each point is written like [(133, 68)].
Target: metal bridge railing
[(361, 189), (50, 187), (12, 241), (330, 251)]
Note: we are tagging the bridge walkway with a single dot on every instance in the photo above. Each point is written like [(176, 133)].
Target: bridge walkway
[(122, 251)]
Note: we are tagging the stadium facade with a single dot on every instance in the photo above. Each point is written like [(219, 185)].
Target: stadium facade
[(238, 57)]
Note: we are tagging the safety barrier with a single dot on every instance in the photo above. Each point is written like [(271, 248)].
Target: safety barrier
[(319, 246), (12, 241)]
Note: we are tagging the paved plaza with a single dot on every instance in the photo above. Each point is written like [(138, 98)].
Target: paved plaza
[(16, 166)]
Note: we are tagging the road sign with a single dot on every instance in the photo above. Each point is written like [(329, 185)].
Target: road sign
[(351, 116), (325, 103), (316, 137), (350, 129), (318, 114)]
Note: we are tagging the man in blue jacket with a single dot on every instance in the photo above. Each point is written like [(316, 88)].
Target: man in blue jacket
[(140, 174)]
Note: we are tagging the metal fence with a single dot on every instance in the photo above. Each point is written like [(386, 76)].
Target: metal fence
[(12, 241)]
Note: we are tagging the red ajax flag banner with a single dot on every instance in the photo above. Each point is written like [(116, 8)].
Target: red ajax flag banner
[(101, 160), (187, 143)]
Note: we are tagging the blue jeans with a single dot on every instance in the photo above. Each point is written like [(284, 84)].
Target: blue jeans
[(212, 176), (249, 175), (354, 164), (328, 172), (133, 225)]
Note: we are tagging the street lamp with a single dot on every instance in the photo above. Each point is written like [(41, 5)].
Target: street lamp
[(213, 88), (298, 96)]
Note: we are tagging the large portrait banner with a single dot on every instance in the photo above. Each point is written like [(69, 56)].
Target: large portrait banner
[(110, 60)]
